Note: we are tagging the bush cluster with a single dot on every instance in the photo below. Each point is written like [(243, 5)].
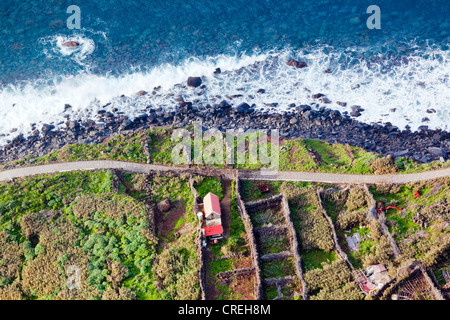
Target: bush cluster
[(384, 165), (176, 272), (312, 226), (332, 282)]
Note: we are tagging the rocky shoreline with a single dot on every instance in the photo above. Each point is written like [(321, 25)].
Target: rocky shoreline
[(302, 121)]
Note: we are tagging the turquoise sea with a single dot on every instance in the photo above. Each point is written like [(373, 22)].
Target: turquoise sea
[(127, 46)]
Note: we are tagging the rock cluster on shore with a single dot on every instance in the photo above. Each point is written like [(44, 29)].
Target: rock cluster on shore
[(325, 124)]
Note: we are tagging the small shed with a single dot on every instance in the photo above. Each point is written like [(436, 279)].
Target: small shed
[(213, 232), (211, 205)]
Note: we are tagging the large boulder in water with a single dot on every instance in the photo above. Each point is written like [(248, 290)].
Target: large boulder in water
[(297, 64), (194, 82), (71, 44)]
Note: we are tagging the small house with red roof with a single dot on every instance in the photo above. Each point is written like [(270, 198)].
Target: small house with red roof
[(213, 217)]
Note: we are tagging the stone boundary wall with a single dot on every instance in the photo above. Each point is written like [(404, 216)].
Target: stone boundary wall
[(236, 274), (271, 203), (337, 247), (386, 232), (147, 150), (373, 214), (198, 243), (436, 291), (282, 280), (390, 287), (276, 256), (150, 206), (295, 248), (251, 238), (270, 231), (230, 256)]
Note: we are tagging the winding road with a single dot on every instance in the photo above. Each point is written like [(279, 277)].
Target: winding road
[(334, 178)]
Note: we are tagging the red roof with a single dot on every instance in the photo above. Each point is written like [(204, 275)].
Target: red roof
[(213, 230), (367, 285), (211, 203)]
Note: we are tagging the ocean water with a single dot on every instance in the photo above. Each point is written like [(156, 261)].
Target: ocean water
[(127, 46)]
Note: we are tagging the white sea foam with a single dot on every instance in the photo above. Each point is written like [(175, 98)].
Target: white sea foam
[(53, 48), (412, 89)]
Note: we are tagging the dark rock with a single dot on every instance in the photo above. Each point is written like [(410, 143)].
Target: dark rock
[(47, 128), (303, 108), (317, 95), (224, 105), (438, 152), (217, 71), (342, 104), (126, 124), (18, 140), (71, 44), (402, 153), (297, 64), (355, 114), (141, 93), (261, 91), (152, 117), (356, 108), (194, 82), (243, 107), (67, 107)]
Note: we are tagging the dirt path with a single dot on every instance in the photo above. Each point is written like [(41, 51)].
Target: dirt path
[(244, 174), (225, 207)]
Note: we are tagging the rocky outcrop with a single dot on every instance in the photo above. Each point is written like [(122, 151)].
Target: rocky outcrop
[(194, 82), (71, 44), (302, 121)]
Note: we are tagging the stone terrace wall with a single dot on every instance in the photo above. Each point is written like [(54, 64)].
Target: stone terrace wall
[(373, 214), (396, 282), (236, 274), (251, 239), (198, 243), (271, 202), (293, 240), (337, 247), (150, 206)]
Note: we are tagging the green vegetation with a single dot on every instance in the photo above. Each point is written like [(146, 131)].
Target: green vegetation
[(421, 227), (314, 232), (126, 147), (73, 219), (333, 282), (295, 154), (205, 185), (272, 244), (176, 267), (278, 268), (314, 259), (250, 191), (97, 221)]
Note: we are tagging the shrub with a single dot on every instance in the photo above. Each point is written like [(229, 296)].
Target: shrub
[(384, 165)]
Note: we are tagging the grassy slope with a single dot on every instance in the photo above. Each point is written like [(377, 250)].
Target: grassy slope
[(295, 154)]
